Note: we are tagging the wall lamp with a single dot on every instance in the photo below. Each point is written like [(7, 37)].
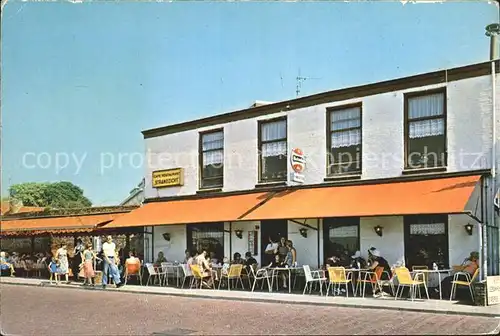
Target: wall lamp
[(303, 232), (468, 229), (166, 236), (378, 230), (239, 233)]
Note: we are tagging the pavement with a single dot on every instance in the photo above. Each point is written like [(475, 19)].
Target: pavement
[(388, 303), (46, 310)]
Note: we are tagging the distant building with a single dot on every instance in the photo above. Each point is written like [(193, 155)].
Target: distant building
[(136, 196)]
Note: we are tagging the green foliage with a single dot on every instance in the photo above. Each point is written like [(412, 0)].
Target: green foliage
[(60, 195)]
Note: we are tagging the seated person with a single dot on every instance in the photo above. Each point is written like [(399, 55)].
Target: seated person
[(357, 261), (5, 263), (213, 259), (278, 262), (132, 263), (206, 269), (379, 261), (470, 268), (237, 260), (161, 259), (249, 260)]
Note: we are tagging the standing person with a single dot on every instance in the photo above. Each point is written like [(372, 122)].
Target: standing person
[(53, 270), (271, 250), (88, 256), (6, 264), (77, 257), (109, 254), (62, 257), (291, 255), (282, 248)]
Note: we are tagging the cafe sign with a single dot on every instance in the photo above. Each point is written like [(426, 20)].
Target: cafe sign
[(298, 163), (168, 178), (493, 289)]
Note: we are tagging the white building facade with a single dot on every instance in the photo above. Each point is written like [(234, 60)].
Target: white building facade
[(369, 147)]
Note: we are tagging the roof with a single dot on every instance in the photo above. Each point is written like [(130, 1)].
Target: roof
[(430, 78), (5, 208)]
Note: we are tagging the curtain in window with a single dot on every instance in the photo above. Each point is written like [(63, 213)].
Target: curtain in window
[(274, 130), (426, 107), (346, 138), (212, 141), (213, 157), (346, 118), (426, 128), (274, 149)]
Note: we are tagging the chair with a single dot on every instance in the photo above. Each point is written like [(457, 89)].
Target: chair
[(313, 277), (261, 274), (372, 278), (468, 282), (169, 270), (153, 272), (198, 275), (405, 280), (422, 268), (338, 277), (133, 270), (186, 270), (233, 274)]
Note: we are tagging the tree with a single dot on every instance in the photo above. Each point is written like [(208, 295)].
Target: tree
[(61, 195)]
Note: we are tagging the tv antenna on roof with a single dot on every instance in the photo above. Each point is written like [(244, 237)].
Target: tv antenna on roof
[(300, 80)]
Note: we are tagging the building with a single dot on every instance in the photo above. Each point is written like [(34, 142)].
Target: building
[(136, 196), (402, 165)]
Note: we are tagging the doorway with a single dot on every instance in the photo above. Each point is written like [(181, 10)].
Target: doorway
[(275, 228)]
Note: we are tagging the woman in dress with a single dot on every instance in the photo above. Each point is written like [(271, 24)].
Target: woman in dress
[(77, 257), (62, 257), (88, 256)]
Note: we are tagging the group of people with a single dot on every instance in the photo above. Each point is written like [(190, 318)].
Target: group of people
[(280, 253)]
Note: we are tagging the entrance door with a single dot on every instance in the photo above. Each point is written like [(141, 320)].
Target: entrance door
[(275, 228)]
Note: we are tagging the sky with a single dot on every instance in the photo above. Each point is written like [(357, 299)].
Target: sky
[(81, 81)]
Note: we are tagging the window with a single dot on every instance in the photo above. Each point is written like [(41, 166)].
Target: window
[(344, 141), (206, 237), (426, 241), (340, 236), (425, 130), (212, 159), (273, 150)]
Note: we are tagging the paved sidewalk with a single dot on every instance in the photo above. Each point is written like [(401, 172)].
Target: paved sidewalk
[(430, 306)]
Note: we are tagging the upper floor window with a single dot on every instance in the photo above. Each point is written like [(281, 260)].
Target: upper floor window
[(273, 150), (425, 130), (344, 141), (212, 159)]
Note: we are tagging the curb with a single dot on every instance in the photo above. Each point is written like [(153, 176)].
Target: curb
[(262, 300)]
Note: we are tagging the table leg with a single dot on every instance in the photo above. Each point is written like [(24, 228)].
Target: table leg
[(289, 281), (440, 290)]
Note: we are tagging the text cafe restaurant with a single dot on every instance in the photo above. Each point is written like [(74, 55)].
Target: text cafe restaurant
[(320, 220)]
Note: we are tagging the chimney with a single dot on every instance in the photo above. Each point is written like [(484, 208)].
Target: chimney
[(492, 31), (15, 205)]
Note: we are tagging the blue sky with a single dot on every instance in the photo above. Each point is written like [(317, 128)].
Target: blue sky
[(84, 79)]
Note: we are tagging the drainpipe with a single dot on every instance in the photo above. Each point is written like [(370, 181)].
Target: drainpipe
[(492, 32)]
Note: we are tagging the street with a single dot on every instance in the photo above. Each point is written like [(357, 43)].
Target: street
[(58, 311)]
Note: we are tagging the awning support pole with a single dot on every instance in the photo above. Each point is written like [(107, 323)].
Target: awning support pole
[(304, 224)]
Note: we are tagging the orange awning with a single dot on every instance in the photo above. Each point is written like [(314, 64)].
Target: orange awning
[(66, 224), (201, 210), (434, 196)]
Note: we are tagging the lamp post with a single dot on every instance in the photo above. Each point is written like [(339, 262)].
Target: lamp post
[(492, 31)]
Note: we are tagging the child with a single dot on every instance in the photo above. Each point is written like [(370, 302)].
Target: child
[(54, 270), (88, 257), (225, 266)]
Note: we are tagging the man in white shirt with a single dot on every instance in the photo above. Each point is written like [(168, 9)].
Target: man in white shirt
[(271, 250), (109, 254)]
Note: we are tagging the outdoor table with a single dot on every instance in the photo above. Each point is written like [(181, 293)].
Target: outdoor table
[(439, 271), (284, 269)]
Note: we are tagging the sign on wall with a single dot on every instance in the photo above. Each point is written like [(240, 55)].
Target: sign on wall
[(168, 178), (493, 289), (298, 163)]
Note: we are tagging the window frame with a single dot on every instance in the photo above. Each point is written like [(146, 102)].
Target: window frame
[(406, 125), (408, 220), (329, 133), (260, 143), (206, 228), (200, 158)]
